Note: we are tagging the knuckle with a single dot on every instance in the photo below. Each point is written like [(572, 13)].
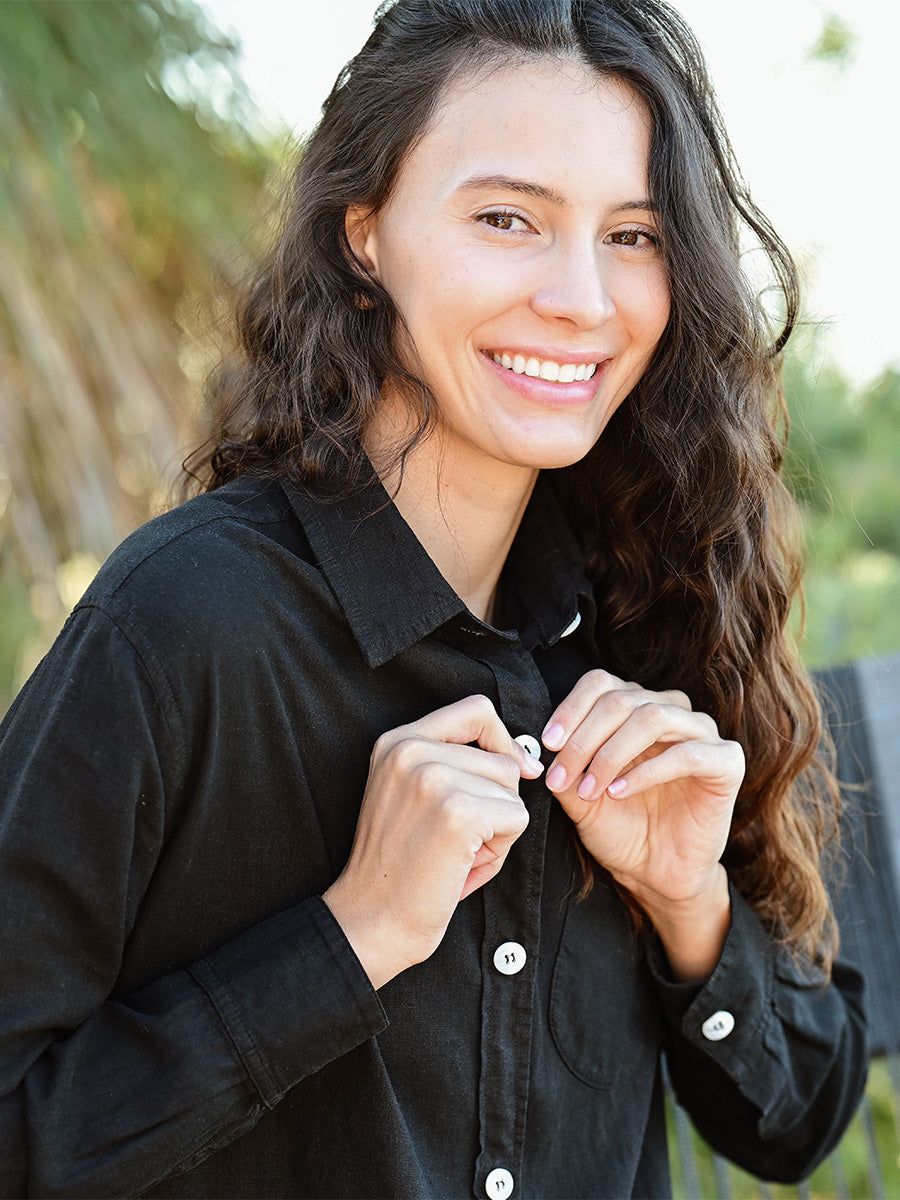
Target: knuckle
[(575, 751), (454, 811), (523, 817), (695, 753), (422, 776), (509, 769), (736, 749), (600, 679), (405, 754), (604, 762), (709, 725), (621, 701), (384, 743), (481, 705), (653, 715)]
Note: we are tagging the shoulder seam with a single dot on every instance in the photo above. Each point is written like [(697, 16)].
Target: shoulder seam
[(153, 671)]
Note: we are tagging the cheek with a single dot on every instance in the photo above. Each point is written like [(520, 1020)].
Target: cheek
[(648, 312)]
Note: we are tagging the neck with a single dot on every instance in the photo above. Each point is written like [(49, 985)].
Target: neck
[(465, 513)]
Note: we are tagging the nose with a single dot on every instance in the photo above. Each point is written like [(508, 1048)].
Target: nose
[(573, 288)]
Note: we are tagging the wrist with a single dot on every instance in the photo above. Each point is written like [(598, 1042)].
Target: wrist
[(370, 942), (692, 929)]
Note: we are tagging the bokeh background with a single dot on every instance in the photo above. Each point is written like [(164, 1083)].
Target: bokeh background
[(141, 147)]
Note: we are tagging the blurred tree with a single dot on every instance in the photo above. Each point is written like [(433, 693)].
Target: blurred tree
[(836, 44), (127, 179), (844, 466)]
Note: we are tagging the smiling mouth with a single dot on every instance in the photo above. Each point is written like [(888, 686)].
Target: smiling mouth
[(545, 368)]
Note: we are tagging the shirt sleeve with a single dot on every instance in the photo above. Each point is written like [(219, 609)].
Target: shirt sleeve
[(103, 1094), (769, 1061)]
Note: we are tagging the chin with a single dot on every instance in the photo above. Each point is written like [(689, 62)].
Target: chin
[(550, 456)]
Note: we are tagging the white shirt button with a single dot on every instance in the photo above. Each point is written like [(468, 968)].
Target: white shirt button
[(529, 744), (718, 1026), (509, 958), (572, 626), (499, 1184)]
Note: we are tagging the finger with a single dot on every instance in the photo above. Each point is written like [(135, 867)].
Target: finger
[(475, 719), (506, 820), (720, 766), (589, 689), (639, 719), (487, 863), (448, 764)]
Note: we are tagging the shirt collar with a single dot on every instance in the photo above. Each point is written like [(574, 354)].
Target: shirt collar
[(393, 595)]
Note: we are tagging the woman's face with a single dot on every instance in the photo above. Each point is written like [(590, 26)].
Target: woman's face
[(521, 248)]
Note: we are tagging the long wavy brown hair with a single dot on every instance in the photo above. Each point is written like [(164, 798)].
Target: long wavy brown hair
[(688, 530)]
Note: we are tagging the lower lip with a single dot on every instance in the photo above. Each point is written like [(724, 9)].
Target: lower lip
[(545, 391)]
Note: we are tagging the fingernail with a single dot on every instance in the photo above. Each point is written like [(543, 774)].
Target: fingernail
[(617, 787), (532, 766), (586, 787), (553, 736), (556, 778)]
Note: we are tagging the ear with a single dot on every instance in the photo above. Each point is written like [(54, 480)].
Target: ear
[(360, 225)]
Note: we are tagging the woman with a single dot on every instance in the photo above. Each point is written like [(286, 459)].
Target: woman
[(494, 483)]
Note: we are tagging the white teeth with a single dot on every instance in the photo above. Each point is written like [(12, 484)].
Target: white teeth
[(547, 369)]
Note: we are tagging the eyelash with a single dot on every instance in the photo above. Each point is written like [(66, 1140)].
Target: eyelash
[(503, 214), (488, 218), (652, 238)]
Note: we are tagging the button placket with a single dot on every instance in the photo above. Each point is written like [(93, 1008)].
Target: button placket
[(512, 905)]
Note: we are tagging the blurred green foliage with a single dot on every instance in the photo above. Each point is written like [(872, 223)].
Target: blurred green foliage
[(836, 42), (843, 466), (131, 170), (147, 91)]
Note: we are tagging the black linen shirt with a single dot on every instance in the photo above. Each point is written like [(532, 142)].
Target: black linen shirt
[(180, 1014)]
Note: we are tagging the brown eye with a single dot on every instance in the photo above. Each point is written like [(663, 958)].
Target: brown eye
[(501, 220), (634, 237)]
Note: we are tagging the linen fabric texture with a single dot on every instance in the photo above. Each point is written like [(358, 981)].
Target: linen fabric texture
[(180, 1014)]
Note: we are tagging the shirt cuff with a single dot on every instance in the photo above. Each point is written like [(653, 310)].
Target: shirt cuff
[(726, 1016), (292, 996)]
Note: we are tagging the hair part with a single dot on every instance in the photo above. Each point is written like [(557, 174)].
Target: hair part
[(684, 518)]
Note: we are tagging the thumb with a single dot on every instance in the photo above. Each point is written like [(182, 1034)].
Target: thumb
[(475, 719)]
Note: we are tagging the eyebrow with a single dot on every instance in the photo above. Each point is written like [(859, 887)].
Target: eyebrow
[(511, 184)]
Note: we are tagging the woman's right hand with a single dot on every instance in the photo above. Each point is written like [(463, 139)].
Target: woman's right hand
[(438, 818)]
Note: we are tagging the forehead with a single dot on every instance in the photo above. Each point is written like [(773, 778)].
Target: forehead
[(532, 117)]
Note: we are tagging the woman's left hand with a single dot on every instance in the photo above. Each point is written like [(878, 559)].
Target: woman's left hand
[(650, 786)]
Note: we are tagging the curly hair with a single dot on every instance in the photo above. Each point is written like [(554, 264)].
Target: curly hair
[(687, 528)]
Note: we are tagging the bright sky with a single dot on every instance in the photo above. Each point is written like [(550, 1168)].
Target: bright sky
[(818, 144)]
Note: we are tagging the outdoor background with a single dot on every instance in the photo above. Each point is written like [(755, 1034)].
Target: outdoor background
[(140, 150)]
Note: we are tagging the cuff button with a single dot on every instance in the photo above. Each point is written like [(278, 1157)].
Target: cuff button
[(718, 1026)]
